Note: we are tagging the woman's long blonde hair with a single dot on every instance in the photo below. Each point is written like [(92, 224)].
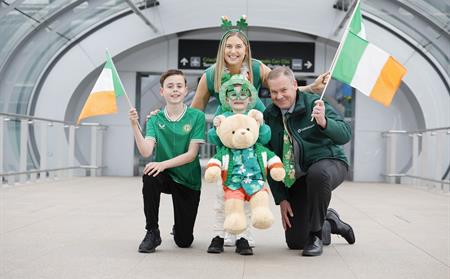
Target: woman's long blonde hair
[(220, 58)]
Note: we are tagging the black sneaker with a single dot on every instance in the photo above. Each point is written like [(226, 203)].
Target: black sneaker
[(339, 227), (216, 245), (151, 240), (243, 248), (326, 233)]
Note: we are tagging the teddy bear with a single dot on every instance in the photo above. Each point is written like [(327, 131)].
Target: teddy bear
[(243, 164)]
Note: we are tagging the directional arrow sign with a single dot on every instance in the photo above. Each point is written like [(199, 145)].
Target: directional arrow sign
[(184, 61), (308, 64)]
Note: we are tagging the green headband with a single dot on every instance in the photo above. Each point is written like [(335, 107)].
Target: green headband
[(229, 86), (228, 27)]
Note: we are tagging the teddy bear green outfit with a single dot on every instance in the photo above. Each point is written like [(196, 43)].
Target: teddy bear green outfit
[(247, 167)]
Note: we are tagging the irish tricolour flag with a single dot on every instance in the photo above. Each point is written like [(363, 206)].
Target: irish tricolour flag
[(366, 67), (102, 99)]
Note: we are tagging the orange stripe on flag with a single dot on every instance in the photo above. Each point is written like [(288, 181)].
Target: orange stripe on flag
[(388, 82), (99, 103)]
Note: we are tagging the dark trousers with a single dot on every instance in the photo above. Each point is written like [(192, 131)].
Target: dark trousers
[(185, 204), (309, 197)]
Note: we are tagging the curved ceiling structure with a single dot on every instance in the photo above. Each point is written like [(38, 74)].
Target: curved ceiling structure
[(48, 49)]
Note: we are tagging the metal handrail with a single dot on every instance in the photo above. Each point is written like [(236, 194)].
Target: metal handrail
[(391, 171), (417, 131), (49, 170), (444, 181), (21, 116)]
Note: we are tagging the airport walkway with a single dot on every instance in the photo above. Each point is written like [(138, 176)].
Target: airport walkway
[(91, 227)]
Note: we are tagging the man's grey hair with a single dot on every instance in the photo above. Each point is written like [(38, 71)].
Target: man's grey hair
[(281, 70)]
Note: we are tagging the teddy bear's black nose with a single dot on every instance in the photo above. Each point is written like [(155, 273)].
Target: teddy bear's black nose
[(243, 132)]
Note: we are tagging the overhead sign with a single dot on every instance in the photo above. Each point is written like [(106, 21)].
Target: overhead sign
[(200, 54)]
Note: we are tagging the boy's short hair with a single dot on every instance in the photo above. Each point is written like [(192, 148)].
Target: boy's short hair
[(171, 72)]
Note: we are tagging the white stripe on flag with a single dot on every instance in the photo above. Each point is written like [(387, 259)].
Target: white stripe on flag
[(104, 82), (369, 68), (362, 32)]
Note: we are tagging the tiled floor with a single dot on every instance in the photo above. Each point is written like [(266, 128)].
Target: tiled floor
[(91, 227)]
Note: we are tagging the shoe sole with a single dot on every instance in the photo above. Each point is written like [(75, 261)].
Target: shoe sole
[(147, 251), (244, 253), (309, 254), (214, 251)]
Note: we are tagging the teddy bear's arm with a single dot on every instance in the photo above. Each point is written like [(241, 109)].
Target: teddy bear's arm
[(264, 134)]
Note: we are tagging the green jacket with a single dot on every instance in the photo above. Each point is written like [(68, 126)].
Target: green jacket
[(314, 142)]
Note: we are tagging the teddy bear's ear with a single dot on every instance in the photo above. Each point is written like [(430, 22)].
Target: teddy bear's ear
[(218, 120), (257, 115)]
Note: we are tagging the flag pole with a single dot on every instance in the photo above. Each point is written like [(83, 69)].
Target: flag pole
[(123, 87), (336, 55)]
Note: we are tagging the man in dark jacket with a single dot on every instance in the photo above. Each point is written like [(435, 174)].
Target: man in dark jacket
[(314, 160)]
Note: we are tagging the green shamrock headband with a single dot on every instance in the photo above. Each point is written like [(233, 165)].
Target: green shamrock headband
[(227, 26), (229, 87)]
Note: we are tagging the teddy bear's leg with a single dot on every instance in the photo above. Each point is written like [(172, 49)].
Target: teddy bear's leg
[(262, 217), (235, 220)]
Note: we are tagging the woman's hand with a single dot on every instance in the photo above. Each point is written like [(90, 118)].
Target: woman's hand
[(152, 113), (320, 82)]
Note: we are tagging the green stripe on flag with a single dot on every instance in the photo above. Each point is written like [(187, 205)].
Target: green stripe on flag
[(356, 23), (349, 57), (118, 89)]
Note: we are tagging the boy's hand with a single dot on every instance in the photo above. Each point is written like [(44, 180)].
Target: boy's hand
[(154, 168), (133, 116)]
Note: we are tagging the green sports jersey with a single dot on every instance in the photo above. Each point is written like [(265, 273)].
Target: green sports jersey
[(173, 138)]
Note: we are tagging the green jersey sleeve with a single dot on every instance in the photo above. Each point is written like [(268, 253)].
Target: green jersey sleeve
[(198, 129), (150, 132)]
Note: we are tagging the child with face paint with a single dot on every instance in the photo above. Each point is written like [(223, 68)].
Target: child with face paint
[(237, 95)]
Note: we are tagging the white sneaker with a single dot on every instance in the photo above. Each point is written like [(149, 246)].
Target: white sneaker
[(251, 241), (229, 240)]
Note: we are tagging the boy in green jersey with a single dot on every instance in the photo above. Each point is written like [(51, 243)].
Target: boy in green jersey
[(173, 135)]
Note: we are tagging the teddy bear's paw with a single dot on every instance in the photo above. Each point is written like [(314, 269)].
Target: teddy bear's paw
[(262, 218), (212, 174), (277, 174), (235, 223)]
